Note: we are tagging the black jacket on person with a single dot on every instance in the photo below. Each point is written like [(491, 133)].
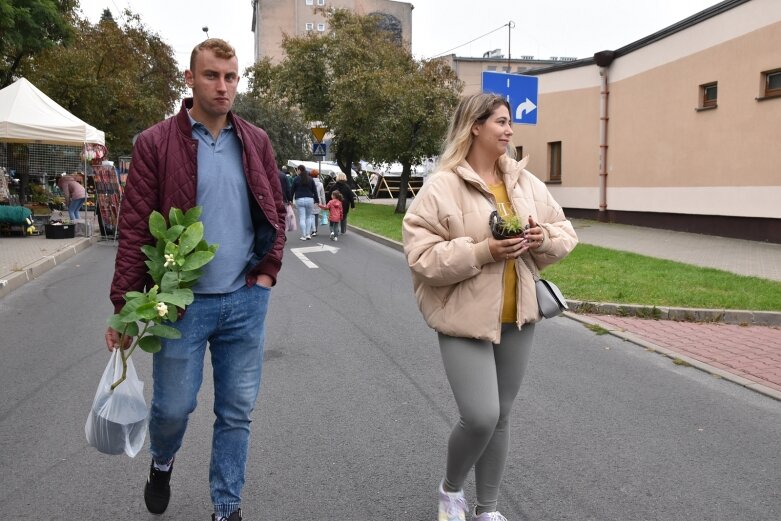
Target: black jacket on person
[(348, 197), (304, 186), (285, 187)]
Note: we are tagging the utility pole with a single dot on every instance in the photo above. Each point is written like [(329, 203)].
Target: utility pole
[(510, 26)]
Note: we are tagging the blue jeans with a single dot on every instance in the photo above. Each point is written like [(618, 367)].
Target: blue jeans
[(73, 208), (233, 326), (305, 207)]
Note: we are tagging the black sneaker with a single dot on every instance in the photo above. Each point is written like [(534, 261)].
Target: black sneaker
[(236, 516), (157, 490)]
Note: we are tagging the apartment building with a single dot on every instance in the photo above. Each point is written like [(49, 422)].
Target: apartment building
[(273, 19), (678, 130)]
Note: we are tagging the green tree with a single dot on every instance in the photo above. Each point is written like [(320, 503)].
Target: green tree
[(119, 78), (27, 27), (284, 125), (379, 102), (414, 120)]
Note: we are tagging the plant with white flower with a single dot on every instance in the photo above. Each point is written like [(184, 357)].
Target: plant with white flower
[(174, 263)]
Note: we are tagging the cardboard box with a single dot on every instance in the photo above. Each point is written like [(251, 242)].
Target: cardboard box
[(60, 231)]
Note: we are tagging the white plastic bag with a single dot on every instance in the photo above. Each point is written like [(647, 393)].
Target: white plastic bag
[(118, 419)]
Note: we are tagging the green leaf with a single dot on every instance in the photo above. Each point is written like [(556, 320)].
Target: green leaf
[(114, 322), (151, 252), (174, 232), (192, 215), (191, 237), (156, 270), (163, 331), (130, 329), (171, 248), (202, 246), (147, 311), (157, 225), (169, 282), (130, 295), (185, 294), (189, 276), (197, 259), (170, 298), (150, 344), (175, 216)]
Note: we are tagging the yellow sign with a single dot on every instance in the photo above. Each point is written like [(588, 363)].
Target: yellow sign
[(319, 133)]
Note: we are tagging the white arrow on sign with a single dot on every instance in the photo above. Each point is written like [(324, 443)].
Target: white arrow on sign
[(299, 252), (525, 107)]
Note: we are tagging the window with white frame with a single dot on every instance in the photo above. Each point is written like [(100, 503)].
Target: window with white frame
[(310, 2), (309, 26), (321, 27), (320, 2)]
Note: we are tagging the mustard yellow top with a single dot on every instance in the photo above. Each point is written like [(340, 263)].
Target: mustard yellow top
[(504, 208)]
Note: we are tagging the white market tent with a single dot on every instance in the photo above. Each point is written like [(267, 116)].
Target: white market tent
[(27, 115), (324, 167)]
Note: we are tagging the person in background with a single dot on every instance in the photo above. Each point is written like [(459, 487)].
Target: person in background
[(334, 208), (206, 156), (348, 198), (74, 194), (305, 196), (283, 183), (478, 292), (315, 222)]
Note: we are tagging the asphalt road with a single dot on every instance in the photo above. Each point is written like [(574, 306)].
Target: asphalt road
[(355, 411)]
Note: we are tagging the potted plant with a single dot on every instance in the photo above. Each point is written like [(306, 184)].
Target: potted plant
[(505, 228)]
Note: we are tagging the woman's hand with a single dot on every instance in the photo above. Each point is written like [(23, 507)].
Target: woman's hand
[(534, 235), (507, 248)]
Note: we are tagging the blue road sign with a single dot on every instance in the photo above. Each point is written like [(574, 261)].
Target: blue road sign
[(520, 91), (318, 149)]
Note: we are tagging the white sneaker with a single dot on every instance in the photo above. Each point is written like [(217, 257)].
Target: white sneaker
[(336, 239), (332, 235), (452, 505), (488, 516)]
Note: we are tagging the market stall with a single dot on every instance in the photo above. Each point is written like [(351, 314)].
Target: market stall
[(29, 116)]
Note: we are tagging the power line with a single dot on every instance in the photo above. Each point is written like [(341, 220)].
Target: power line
[(470, 41)]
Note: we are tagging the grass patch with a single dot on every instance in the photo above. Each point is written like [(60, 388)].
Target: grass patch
[(596, 328), (597, 274)]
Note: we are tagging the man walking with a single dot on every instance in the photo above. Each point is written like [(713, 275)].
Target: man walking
[(207, 156)]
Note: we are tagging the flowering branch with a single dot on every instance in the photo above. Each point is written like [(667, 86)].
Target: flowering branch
[(174, 263)]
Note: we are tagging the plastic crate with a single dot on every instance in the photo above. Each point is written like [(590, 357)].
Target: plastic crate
[(60, 231)]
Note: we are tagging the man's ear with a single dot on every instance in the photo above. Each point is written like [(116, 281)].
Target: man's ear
[(188, 78)]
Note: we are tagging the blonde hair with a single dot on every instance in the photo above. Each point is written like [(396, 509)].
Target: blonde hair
[(471, 110), (218, 46), (341, 177)]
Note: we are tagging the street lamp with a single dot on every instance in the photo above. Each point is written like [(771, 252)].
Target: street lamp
[(205, 29)]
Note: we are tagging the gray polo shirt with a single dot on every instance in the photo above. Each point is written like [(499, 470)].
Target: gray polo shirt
[(223, 195)]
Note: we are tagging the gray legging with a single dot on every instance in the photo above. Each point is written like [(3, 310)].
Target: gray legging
[(485, 379)]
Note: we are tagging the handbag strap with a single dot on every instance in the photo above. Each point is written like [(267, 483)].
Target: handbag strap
[(535, 273)]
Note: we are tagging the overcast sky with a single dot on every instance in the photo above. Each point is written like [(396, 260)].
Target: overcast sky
[(543, 28)]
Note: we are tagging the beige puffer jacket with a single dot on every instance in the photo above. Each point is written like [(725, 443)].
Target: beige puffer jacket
[(458, 284)]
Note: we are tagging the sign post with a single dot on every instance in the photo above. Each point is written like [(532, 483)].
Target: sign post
[(521, 92), (318, 147)]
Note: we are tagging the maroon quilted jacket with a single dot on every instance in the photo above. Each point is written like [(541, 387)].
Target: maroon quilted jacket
[(163, 176)]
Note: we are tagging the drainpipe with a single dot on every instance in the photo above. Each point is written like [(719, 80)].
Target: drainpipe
[(603, 60)]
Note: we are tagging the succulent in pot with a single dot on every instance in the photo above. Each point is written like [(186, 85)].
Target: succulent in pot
[(508, 227)]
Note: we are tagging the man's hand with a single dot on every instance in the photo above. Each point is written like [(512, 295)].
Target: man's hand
[(264, 280), (112, 339)]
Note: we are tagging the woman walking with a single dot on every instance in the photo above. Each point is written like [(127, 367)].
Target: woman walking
[(477, 291), (305, 197)]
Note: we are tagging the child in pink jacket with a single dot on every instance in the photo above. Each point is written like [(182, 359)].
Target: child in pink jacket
[(335, 213)]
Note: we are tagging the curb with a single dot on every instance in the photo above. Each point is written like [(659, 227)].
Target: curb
[(669, 353), (727, 316), (39, 267)]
